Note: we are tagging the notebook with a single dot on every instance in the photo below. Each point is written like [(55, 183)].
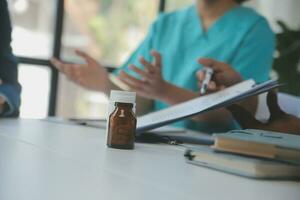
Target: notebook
[(202, 104), (265, 144), (241, 165)]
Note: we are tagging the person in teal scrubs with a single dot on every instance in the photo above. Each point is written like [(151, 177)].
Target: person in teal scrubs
[(164, 66)]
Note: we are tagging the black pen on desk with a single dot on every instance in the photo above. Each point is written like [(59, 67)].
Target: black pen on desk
[(87, 119), (208, 75)]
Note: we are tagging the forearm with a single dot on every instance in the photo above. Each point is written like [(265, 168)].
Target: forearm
[(223, 117), (173, 95)]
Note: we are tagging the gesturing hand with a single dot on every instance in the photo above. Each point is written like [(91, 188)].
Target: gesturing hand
[(278, 121), (151, 85), (91, 75), (224, 75)]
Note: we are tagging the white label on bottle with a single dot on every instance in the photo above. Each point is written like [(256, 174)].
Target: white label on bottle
[(122, 114)]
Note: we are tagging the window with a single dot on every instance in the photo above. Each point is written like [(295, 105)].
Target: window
[(172, 5), (32, 27), (106, 29), (35, 81)]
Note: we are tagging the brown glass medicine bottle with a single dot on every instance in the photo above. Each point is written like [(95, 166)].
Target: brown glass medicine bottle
[(121, 127)]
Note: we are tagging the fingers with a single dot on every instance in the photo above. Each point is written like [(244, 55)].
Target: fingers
[(86, 57), (148, 66), (62, 67), (157, 58), (146, 76), (206, 61), (57, 64), (156, 65), (151, 73), (243, 117), (223, 74), (132, 82), (223, 78), (211, 87), (200, 75), (274, 108), (72, 71), (211, 63)]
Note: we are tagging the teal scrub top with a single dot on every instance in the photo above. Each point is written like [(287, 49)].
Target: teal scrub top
[(241, 38)]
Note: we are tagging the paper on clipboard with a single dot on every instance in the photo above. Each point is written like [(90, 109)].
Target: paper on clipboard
[(202, 104)]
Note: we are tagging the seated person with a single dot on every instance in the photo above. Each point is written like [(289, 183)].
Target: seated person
[(226, 76), (221, 29), (9, 86)]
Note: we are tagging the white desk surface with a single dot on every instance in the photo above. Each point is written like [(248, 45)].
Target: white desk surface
[(42, 160)]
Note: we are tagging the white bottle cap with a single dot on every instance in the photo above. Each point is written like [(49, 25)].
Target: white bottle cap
[(122, 96)]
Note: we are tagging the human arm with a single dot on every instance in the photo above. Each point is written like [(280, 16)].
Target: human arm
[(91, 75), (10, 89), (151, 83), (279, 120), (224, 76)]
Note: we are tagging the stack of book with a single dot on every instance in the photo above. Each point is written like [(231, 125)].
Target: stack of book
[(251, 153)]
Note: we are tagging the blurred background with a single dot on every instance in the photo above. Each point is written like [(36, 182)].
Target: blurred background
[(110, 30)]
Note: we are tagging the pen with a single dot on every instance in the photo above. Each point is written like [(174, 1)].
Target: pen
[(208, 74)]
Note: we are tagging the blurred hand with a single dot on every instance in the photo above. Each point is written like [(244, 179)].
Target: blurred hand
[(224, 75), (2, 100), (91, 75), (279, 120), (151, 85)]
